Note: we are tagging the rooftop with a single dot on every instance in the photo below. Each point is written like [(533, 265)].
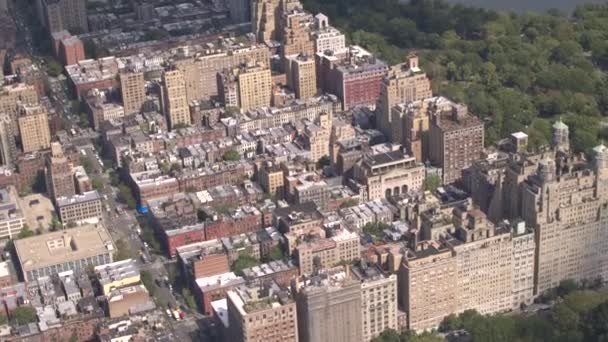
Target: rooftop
[(61, 246), (84, 197)]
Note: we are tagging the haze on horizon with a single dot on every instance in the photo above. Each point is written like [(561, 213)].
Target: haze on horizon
[(527, 5)]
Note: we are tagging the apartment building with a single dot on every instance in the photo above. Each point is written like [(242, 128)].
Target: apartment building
[(566, 206), (456, 139), (59, 175), (175, 103), (59, 15), (302, 75), (427, 287), (117, 274), (318, 254), (329, 307), (410, 127), (133, 90), (404, 83), (378, 299), (34, 128), (264, 312)]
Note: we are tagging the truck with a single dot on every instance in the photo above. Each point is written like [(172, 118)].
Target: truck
[(176, 315)]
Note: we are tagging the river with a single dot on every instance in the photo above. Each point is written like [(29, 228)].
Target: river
[(527, 5)]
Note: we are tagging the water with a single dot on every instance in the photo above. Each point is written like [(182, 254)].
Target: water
[(527, 5)]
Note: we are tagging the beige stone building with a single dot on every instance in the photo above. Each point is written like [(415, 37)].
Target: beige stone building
[(327, 253), (255, 86), (302, 76), (133, 90), (378, 300), (410, 127), (80, 208), (340, 131), (175, 102), (427, 285), (192, 77), (566, 204), (227, 58), (404, 83), (13, 95), (456, 138), (317, 141), (296, 33), (271, 179), (59, 174), (34, 128), (389, 173), (265, 19), (329, 307), (262, 313), (484, 263)]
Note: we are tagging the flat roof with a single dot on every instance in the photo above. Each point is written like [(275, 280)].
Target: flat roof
[(81, 198), (61, 246)]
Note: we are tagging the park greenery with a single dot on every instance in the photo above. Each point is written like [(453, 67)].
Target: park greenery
[(432, 182), (231, 155), (516, 72), (24, 315)]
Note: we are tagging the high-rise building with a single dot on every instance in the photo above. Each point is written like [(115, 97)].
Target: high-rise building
[(133, 90), (174, 97), (255, 86), (240, 10), (228, 58), (317, 141), (34, 128), (329, 307), (326, 37), (565, 203), (59, 175), (378, 299), (302, 76), (404, 83), (456, 138), (8, 148), (71, 50), (13, 95), (410, 127), (265, 16), (296, 28), (58, 15), (484, 260), (263, 312), (358, 79), (191, 70), (427, 285)]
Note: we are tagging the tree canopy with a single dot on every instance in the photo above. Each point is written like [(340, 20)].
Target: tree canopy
[(517, 72)]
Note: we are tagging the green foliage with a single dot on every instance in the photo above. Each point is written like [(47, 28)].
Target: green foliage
[(231, 155), (126, 196), (432, 182), (25, 232), (54, 69), (376, 229), (83, 120), (148, 281), (3, 320), (23, 315), (242, 262), (351, 202), (189, 298), (97, 183), (516, 72), (582, 315), (275, 253), (123, 251), (86, 164)]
